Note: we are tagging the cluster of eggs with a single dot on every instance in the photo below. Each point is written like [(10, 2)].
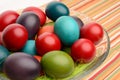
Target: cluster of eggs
[(29, 45)]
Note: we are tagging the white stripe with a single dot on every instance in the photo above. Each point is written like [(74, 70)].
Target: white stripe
[(114, 43), (81, 3), (98, 69), (115, 35), (111, 19), (112, 73), (108, 13), (106, 10)]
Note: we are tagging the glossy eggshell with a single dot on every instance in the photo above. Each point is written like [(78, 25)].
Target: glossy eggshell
[(78, 20), (56, 9), (67, 30), (0, 38), (21, 66), (6, 18), (57, 64), (39, 12), (4, 53), (47, 42), (14, 37), (29, 47), (47, 28), (31, 22)]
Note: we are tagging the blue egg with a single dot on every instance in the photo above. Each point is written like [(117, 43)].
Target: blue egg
[(67, 30), (29, 47), (4, 53)]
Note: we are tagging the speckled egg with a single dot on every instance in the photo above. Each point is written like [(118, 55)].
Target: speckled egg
[(67, 30)]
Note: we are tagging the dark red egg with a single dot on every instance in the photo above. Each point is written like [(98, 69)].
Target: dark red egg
[(47, 42), (7, 17), (14, 37)]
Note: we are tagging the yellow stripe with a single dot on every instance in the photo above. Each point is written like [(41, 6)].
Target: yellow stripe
[(108, 70), (111, 18), (100, 67), (101, 8), (117, 70)]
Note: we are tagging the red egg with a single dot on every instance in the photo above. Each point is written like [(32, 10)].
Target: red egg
[(83, 50), (14, 37), (47, 42), (93, 32), (39, 12), (0, 38), (6, 18)]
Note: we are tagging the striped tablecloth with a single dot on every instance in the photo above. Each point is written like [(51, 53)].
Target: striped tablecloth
[(107, 13)]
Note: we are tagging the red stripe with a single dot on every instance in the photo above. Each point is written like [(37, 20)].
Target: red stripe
[(93, 77), (113, 26), (77, 3), (107, 12), (111, 71), (84, 4)]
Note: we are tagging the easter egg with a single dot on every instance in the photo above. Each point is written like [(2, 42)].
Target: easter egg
[(31, 22), (6, 18), (78, 20), (48, 27), (14, 37), (21, 66), (4, 53), (39, 12), (67, 30), (47, 42), (0, 38), (56, 9), (29, 47), (57, 64)]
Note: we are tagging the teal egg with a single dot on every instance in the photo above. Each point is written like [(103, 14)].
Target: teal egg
[(29, 47), (4, 53), (56, 9), (67, 30)]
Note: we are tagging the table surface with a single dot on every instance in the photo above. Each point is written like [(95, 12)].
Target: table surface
[(107, 13)]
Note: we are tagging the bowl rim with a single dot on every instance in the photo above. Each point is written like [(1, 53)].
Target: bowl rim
[(99, 61)]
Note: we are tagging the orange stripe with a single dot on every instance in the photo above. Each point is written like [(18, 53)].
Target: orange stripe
[(99, 72), (78, 8), (87, 5), (108, 11), (101, 8), (112, 73), (116, 76), (113, 26), (109, 17), (71, 3), (112, 41)]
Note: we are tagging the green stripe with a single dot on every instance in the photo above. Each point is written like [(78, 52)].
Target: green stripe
[(107, 69), (116, 27), (92, 7), (109, 14), (106, 28), (116, 48), (115, 72)]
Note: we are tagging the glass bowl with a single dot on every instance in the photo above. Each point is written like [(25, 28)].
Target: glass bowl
[(81, 70)]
